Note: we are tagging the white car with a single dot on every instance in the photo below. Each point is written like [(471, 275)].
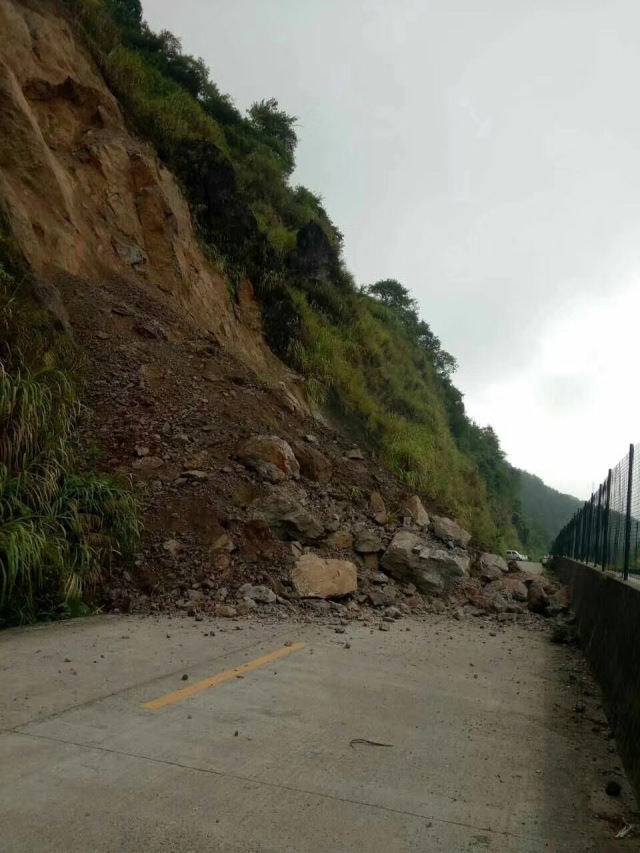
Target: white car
[(514, 555)]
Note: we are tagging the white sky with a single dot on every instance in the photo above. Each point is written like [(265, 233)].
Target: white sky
[(485, 153)]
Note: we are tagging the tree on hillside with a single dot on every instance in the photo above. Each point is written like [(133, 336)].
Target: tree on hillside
[(546, 507), (127, 13), (277, 128), (394, 295)]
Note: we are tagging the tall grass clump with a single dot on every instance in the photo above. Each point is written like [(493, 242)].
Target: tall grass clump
[(61, 527)]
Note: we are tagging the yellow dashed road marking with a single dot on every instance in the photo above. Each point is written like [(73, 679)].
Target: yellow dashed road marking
[(229, 674)]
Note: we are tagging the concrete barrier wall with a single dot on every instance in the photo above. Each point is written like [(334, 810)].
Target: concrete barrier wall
[(608, 615)]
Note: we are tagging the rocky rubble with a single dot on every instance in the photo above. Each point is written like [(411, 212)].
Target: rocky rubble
[(248, 507)]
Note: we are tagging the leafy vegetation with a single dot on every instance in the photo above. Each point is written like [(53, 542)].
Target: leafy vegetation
[(365, 351), (564, 634), (547, 509), (60, 525)]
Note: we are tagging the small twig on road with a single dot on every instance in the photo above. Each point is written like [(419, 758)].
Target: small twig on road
[(627, 829), (364, 740)]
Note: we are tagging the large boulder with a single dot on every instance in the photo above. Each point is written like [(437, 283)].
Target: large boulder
[(415, 510), (313, 464), (537, 598), (450, 531), (410, 558), (516, 588), (270, 456), (492, 588), (560, 601), (450, 564), (317, 577), (286, 516), (492, 566)]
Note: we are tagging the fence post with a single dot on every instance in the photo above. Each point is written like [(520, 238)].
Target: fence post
[(584, 545), (627, 529), (592, 530), (587, 531), (605, 532), (596, 553)]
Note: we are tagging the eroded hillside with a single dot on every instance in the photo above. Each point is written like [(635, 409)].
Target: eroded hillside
[(244, 466), (84, 195)]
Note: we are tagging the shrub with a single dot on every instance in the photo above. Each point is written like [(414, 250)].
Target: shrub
[(565, 635)]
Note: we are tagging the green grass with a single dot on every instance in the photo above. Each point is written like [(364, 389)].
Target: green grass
[(374, 376), (61, 527)]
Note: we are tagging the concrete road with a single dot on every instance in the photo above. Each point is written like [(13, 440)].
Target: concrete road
[(106, 747)]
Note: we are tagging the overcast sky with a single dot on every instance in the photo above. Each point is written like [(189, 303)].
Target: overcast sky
[(486, 154)]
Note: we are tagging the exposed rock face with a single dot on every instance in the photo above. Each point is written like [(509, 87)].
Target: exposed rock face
[(413, 507), (314, 257), (286, 516), (450, 531), (84, 196), (270, 456), (316, 577), (410, 558)]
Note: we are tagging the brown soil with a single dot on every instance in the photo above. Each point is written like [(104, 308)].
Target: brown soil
[(159, 385)]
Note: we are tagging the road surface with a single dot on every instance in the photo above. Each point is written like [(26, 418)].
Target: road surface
[(104, 746)]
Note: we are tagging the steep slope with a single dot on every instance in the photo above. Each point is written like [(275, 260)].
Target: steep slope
[(153, 270), (84, 196), (547, 509)]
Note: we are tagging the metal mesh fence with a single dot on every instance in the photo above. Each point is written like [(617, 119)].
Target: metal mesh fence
[(606, 530)]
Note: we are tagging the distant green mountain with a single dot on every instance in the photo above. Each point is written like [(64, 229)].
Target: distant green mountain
[(546, 509)]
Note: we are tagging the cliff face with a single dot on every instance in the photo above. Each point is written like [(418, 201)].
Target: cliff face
[(86, 197)]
